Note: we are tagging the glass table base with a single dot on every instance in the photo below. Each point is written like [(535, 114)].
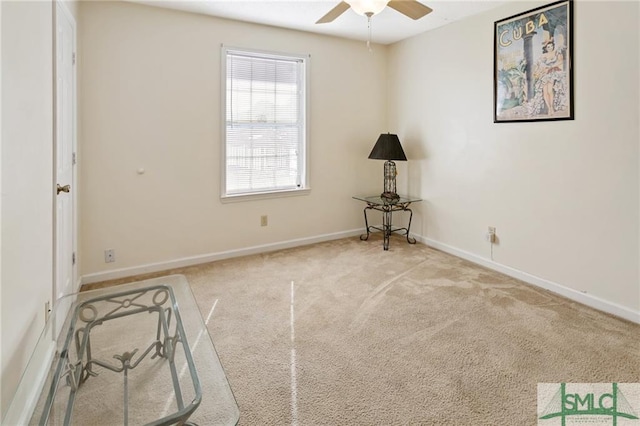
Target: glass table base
[(131, 354)]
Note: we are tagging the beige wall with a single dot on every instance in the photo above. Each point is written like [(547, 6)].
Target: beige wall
[(562, 195), (27, 187), (150, 98), (1, 139)]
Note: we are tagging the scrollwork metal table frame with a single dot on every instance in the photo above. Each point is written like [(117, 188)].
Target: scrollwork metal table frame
[(387, 207), (137, 353)]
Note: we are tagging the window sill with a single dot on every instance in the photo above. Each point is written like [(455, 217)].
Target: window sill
[(264, 195)]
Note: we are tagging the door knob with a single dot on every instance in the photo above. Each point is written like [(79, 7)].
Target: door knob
[(65, 188)]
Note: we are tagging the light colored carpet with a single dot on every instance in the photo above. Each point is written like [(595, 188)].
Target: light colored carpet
[(343, 332)]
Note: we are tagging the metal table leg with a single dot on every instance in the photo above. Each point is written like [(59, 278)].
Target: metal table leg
[(409, 239), (386, 226), (365, 237)]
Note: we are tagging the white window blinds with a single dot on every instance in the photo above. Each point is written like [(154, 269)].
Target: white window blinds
[(265, 128)]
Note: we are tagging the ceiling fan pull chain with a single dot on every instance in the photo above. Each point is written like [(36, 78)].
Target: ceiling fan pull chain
[(369, 29)]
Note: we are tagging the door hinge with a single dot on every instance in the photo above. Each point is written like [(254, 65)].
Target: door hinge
[(73, 158), (73, 58), (73, 258)]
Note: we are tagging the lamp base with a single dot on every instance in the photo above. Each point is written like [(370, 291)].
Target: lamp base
[(390, 181), (390, 196)]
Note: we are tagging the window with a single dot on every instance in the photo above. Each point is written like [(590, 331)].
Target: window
[(265, 132)]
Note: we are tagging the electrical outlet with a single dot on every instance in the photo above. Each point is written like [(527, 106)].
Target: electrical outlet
[(491, 234), (109, 255), (264, 220)]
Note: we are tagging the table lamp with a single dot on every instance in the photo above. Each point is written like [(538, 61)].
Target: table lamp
[(388, 148)]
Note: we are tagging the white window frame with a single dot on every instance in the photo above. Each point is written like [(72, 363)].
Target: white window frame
[(305, 187)]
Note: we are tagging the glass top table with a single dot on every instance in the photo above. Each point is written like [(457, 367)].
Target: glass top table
[(130, 354), (378, 200), (387, 206)]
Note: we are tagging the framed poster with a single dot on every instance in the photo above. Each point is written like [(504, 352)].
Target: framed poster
[(533, 70)]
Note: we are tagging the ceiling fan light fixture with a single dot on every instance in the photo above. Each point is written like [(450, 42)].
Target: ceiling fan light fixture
[(367, 7)]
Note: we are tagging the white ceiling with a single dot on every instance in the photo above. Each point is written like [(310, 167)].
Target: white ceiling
[(387, 27)]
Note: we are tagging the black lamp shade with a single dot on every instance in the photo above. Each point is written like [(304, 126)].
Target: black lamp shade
[(388, 148)]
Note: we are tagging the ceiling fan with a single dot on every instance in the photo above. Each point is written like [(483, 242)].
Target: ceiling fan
[(411, 8)]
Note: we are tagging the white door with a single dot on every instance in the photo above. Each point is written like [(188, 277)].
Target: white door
[(65, 133)]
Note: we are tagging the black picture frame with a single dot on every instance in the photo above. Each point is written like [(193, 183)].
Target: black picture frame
[(533, 65)]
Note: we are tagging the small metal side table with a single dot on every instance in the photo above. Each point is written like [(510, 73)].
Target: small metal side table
[(387, 207)]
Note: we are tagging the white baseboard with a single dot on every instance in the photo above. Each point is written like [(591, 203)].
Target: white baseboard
[(195, 260), (583, 298), (577, 296)]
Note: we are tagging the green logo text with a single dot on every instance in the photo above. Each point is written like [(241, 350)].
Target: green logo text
[(613, 404)]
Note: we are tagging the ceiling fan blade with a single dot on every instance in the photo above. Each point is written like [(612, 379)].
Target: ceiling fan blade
[(411, 8), (334, 13)]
